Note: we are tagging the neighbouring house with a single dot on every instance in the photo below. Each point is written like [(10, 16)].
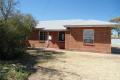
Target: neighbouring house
[(81, 35)]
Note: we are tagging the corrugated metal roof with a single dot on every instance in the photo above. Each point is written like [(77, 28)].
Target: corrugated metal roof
[(60, 24)]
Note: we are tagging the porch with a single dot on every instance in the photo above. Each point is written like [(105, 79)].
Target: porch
[(40, 39)]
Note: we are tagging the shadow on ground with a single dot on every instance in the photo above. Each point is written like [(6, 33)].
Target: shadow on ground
[(35, 56), (115, 50)]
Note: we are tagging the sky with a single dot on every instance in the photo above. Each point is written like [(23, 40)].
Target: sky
[(71, 9)]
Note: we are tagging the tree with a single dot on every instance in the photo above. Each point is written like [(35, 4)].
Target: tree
[(117, 27), (7, 8), (13, 34), (14, 28), (117, 19), (25, 23)]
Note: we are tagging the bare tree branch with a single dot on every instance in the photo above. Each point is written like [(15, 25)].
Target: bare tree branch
[(6, 8), (116, 27)]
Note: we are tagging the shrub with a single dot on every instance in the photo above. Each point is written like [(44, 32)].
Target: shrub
[(13, 33), (13, 72)]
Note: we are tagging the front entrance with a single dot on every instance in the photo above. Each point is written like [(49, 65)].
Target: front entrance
[(57, 40)]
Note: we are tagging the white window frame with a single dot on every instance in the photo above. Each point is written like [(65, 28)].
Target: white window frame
[(88, 34)]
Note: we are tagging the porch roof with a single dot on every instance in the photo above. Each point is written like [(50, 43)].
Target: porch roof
[(62, 24)]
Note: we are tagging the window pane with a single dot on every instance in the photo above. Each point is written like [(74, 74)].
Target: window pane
[(61, 36), (43, 35), (88, 36), (88, 40)]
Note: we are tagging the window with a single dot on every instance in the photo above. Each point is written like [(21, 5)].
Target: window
[(88, 36), (61, 36), (43, 36)]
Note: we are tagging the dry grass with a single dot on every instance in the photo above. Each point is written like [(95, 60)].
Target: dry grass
[(79, 66)]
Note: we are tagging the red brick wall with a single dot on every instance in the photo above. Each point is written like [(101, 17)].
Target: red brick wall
[(54, 43), (102, 42), (74, 40), (34, 40)]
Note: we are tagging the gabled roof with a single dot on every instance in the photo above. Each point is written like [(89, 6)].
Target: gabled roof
[(62, 24)]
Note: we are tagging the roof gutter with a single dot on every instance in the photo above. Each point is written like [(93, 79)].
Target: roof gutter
[(54, 29), (50, 29), (109, 25)]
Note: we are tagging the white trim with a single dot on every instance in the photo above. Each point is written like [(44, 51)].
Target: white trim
[(74, 26), (93, 37), (54, 29)]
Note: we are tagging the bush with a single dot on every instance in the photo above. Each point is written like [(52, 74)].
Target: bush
[(11, 46), (13, 33), (13, 72)]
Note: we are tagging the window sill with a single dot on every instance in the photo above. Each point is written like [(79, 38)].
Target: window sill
[(61, 41), (89, 44), (42, 41)]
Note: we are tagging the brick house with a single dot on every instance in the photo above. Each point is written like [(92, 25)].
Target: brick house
[(81, 35)]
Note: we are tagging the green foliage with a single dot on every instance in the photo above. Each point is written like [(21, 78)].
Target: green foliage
[(14, 32), (13, 72), (14, 29), (7, 8), (116, 27), (117, 19), (22, 24)]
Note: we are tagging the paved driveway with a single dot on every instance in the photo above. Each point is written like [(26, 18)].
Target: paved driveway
[(78, 66)]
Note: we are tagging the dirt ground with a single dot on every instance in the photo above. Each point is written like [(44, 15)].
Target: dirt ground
[(70, 65)]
